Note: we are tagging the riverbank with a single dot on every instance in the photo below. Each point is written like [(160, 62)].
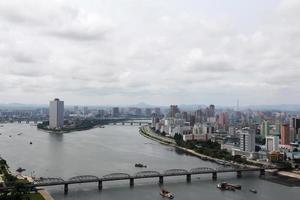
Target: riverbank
[(45, 195), (147, 132)]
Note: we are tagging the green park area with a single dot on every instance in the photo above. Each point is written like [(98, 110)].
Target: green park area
[(12, 188)]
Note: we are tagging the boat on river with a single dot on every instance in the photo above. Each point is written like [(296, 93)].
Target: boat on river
[(166, 193), (253, 191), (226, 186), (140, 165)]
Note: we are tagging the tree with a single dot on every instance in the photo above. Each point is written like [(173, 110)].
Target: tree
[(178, 139)]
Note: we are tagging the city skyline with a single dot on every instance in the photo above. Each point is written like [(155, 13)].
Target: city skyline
[(109, 52)]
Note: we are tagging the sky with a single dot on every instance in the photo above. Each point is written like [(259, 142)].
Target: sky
[(104, 52)]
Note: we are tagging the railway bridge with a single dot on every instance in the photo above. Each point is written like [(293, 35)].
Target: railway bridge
[(44, 182)]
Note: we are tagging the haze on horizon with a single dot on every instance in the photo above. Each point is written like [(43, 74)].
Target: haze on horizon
[(159, 52)]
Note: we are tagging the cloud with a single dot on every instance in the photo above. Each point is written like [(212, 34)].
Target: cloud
[(160, 52)]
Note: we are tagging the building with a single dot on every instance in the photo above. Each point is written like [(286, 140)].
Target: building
[(148, 112), (294, 128), (115, 112), (85, 110), (272, 143), (285, 134), (174, 110), (247, 140), (56, 114), (157, 111), (265, 128), (211, 111)]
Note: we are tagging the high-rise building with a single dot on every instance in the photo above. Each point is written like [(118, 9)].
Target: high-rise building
[(247, 140), (148, 111), (211, 111), (295, 128), (272, 143), (76, 109), (173, 110), (157, 111), (265, 128), (56, 114), (85, 110), (115, 112), (285, 134)]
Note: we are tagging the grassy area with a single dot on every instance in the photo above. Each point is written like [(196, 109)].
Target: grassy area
[(34, 196)]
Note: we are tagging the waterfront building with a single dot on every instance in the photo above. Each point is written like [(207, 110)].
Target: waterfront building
[(208, 128), (285, 134), (272, 143), (115, 112), (148, 112), (295, 126), (56, 114), (247, 140)]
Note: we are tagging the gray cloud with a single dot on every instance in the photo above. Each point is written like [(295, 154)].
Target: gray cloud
[(160, 52)]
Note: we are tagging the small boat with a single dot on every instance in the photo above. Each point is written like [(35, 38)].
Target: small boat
[(20, 133), (253, 191), (140, 165), (225, 186), (238, 187), (30, 142), (166, 193)]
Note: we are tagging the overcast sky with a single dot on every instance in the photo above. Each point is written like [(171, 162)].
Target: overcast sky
[(155, 51)]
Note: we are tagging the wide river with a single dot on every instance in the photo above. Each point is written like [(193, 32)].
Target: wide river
[(114, 149)]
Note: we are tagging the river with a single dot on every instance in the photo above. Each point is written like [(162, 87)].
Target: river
[(102, 151)]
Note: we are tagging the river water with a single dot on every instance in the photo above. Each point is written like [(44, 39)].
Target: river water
[(114, 149)]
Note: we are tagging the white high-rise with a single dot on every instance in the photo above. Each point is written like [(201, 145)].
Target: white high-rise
[(272, 143), (247, 140), (56, 114)]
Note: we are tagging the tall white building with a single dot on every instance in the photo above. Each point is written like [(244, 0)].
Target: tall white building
[(56, 114), (247, 140), (272, 143)]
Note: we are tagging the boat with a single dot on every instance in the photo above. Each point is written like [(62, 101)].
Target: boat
[(140, 165), (30, 142), (225, 186), (166, 193), (238, 187), (253, 191), (20, 133)]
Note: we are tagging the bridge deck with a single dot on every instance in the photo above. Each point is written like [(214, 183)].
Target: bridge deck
[(141, 175)]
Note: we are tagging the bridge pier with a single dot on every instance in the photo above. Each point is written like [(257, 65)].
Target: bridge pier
[(66, 188), (214, 176), (161, 180), (140, 123), (238, 174), (100, 185), (131, 123), (188, 178), (123, 123), (262, 172), (131, 182)]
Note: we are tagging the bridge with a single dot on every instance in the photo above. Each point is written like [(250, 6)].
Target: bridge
[(43, 182)]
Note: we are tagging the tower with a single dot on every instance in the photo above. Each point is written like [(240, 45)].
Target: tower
[(56, 114)]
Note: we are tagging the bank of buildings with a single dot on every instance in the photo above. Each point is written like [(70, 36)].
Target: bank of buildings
[(235, 131)]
